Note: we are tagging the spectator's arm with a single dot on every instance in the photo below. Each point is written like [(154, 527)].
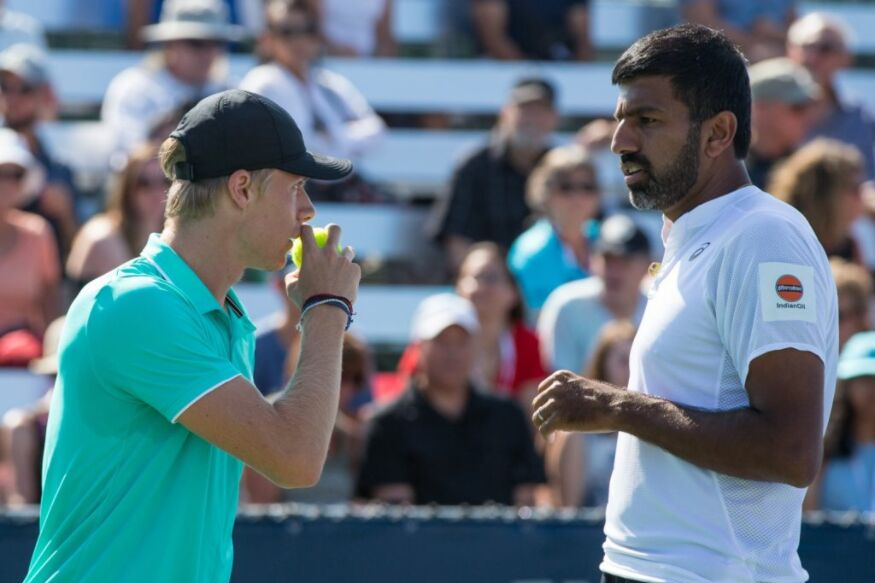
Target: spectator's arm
[(138, 15), (24, 454), (386, 45), (578, 22), (490, 19), (455, 248), (565, 469)]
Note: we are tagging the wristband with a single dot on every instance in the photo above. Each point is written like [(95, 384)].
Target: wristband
[(339, 302)]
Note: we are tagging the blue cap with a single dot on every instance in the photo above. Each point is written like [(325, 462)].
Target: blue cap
[(858, 357)]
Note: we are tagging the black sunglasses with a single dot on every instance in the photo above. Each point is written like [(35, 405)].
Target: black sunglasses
[(289, 32), (16, 174)]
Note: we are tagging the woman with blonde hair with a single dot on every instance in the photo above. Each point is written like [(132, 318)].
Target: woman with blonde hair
[(579, 465), (134, 210), (564, 191), (822, 180)]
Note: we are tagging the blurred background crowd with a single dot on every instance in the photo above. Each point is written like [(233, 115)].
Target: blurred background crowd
[(488, 212)]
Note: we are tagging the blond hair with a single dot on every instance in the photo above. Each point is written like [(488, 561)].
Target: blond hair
[(812, 181), (557, 162), (191, 200)]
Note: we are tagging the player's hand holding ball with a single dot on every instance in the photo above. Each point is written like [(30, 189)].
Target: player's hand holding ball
[(323, 266)]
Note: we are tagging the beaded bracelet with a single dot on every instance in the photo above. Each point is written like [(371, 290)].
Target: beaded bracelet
[(328, 300)]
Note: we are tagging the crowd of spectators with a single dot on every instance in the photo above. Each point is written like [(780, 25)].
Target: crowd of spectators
[(549, 267)]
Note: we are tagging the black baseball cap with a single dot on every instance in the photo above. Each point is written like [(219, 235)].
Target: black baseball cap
[(238, 130), (619, 235)]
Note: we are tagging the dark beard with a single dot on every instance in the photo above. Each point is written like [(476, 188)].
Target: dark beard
[(20, 125), (664, 190)]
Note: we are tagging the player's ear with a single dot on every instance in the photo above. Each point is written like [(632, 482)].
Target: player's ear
[(719, 133), (240, 188)]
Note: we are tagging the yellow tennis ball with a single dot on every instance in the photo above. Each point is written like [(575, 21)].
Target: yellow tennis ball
[(321, 236)]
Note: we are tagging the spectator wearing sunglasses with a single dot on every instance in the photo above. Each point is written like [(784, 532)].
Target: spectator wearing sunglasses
[(26, 100), (134, 210), (186, 65), (564, 190), (333, 115), (819, 43)]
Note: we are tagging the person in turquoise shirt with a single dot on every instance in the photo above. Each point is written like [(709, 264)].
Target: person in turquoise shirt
[(154, 412), (564, 189)]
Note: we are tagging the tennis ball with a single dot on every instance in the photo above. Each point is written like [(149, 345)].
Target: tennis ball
[(297, 252)]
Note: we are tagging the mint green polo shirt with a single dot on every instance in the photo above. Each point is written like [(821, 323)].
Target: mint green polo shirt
[(129, 494)]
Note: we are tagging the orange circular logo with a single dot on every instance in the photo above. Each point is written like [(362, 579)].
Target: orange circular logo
[(789, 288)]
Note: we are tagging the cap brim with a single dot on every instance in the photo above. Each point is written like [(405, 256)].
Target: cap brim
[(318, 167), (169, 31), (853, 368)]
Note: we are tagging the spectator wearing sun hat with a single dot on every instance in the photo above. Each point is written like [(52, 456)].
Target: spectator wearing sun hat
[(444, 441), (189, 41)]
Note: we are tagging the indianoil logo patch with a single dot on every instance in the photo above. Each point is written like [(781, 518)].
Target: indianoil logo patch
[(789, 288), (787, 292)]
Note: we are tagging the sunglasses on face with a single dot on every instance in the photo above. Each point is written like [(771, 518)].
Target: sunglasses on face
[(290, 32), (24, 89), (823, 48), (201, 45), (568, 188), (12, 175)]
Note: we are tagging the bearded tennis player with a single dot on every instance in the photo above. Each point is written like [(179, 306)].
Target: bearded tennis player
[(734, 365)]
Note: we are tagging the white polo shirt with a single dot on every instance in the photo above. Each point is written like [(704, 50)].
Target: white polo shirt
[(742, 275)]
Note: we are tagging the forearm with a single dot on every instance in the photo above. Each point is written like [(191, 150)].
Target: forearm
[(308, 405), (744, 443)]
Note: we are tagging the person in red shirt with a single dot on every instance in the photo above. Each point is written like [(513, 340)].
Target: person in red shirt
[(508, 358)]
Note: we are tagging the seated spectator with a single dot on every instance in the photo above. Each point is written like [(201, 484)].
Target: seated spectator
[(854, 287), (17, 27), (443, 441), (331, 113), (24, 430), (344, 450), (783, 96), (186, 66), (543, 30), (507, 357), (27, 99), (819, 42), (357, 28), (847, 477), (134, 210), (487, 198), (822, 181), (564, 190), (277, 343), (759, 27), (575, 313), (579, 465), (29, 264)]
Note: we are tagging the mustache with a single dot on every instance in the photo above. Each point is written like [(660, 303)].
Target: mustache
[(635, 159)]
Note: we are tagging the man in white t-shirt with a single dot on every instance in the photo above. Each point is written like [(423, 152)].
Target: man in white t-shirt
[(190, 41), (574, 314), (332, 114), (734, 365)]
